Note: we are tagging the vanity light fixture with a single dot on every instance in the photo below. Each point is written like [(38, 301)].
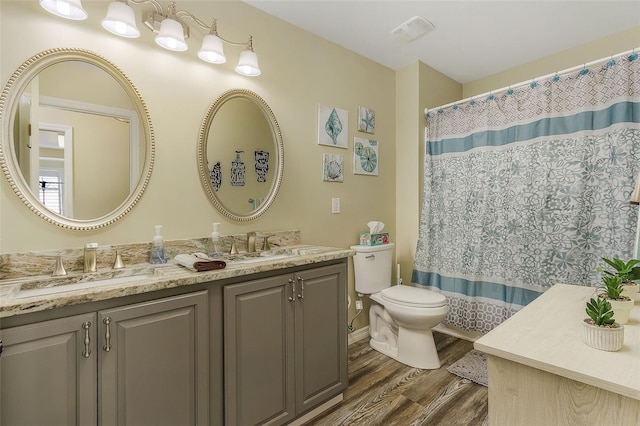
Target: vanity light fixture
[(169, 25), (69, 9), (121, 20)]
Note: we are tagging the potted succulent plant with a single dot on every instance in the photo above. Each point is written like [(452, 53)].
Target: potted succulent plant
[(611, 290), (600, 330), (628, 271)]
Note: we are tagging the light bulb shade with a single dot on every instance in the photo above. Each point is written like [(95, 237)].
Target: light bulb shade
[(212, 50), (248, 64), (121, 20), (69, 9), (171, 35)]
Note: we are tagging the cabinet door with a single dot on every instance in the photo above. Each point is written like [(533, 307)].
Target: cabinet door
[(154, 362), (258, 352), (321, 335), (48, 373)]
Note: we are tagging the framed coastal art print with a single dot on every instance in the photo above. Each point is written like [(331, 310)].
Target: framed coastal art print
[(366, 120), (333, 126), (365, 157), (332, 168)]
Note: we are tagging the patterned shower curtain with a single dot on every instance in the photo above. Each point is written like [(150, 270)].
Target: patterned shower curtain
[(529, 188)]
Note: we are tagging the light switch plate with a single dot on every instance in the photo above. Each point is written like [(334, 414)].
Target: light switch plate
[(335, 205)]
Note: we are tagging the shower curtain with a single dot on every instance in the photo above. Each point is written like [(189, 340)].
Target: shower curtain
[(529, 188)]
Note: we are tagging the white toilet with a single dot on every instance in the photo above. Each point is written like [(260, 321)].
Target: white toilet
[(401, 320)]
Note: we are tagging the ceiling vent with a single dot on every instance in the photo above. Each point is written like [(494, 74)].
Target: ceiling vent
[(412, 29)]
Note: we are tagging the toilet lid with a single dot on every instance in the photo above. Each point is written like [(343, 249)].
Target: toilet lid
[(413, 296)]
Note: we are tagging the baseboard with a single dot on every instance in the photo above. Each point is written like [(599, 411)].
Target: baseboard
[(359, 334)]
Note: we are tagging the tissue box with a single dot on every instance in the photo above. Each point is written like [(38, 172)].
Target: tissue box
[(374, 239)]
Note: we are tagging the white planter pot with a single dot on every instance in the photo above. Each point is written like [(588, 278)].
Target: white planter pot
[(630, 290), (603, 338), (621, 310)]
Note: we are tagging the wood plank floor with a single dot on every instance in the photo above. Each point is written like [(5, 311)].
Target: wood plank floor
[(383, 391)]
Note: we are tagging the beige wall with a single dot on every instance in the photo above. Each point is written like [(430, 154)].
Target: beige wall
[(611, 45), (417, 86)]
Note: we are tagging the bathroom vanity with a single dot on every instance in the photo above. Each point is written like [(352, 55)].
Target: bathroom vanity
[(262, 341), (541, 372)]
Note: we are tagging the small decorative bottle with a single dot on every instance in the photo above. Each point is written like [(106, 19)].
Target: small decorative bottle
[(216, 246), (158, 254), (238, 171)]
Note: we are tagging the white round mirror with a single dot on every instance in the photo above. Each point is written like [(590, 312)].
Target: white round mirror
[(240, 155), (77, 142)]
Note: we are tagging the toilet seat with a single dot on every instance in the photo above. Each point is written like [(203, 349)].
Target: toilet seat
[(413, 296)]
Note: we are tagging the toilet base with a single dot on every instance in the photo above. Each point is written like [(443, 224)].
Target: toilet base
[(384, 348), (416, 348)]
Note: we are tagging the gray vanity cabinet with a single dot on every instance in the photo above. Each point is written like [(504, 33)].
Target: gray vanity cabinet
[(48, 373), (139, 364), (285, 345), (153, 362)]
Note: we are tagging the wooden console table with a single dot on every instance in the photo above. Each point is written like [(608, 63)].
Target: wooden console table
[(542, 373)]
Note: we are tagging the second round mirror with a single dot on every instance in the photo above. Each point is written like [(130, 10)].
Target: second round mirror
[(240, 155)]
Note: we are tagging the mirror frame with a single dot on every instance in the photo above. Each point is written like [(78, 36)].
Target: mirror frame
[(202, 153), (11, 93)]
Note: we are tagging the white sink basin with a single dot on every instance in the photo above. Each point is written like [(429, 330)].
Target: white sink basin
[(261, 259), (78, 286)]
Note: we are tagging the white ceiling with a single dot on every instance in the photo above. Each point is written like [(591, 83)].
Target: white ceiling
[(471, 39)]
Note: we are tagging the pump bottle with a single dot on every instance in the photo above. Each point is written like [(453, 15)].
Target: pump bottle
[(158, 254), (216, 246)]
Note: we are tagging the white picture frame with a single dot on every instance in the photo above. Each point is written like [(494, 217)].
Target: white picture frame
[(332, 168), (366, 120), (333, 126), (366, 158)]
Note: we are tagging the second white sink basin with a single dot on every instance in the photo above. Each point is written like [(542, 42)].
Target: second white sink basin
[(78, 286), (261, 259)]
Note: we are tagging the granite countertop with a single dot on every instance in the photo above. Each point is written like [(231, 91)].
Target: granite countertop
[(547, 335), (17, 298)]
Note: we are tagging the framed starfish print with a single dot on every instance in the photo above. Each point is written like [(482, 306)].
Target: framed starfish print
[(366, 120)]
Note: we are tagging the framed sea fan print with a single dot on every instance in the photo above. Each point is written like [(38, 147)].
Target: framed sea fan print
[(365, 157), (366, 120), (333, 126), (332, 168)]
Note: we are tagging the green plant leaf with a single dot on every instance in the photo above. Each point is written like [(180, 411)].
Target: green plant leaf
[(599, 310)]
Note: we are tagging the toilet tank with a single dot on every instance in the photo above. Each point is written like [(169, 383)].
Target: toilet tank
[(372, 267)]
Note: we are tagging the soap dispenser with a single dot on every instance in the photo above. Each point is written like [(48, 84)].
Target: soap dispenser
[(216, 246), (158, 254)]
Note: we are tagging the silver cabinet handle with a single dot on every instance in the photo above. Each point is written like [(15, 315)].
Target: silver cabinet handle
[(293, 290), (107, 334), (301, 281), (87, 339)]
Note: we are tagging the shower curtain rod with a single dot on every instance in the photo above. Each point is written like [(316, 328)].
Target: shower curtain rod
[(513, 86)]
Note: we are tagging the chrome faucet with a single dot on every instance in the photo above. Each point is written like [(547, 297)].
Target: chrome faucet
[(251, 242), (59, 270), (90, 257)]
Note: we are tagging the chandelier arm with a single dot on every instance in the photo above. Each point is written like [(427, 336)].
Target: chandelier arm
[(184, 14), (234, 43), (155, 4), (211, 29)]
